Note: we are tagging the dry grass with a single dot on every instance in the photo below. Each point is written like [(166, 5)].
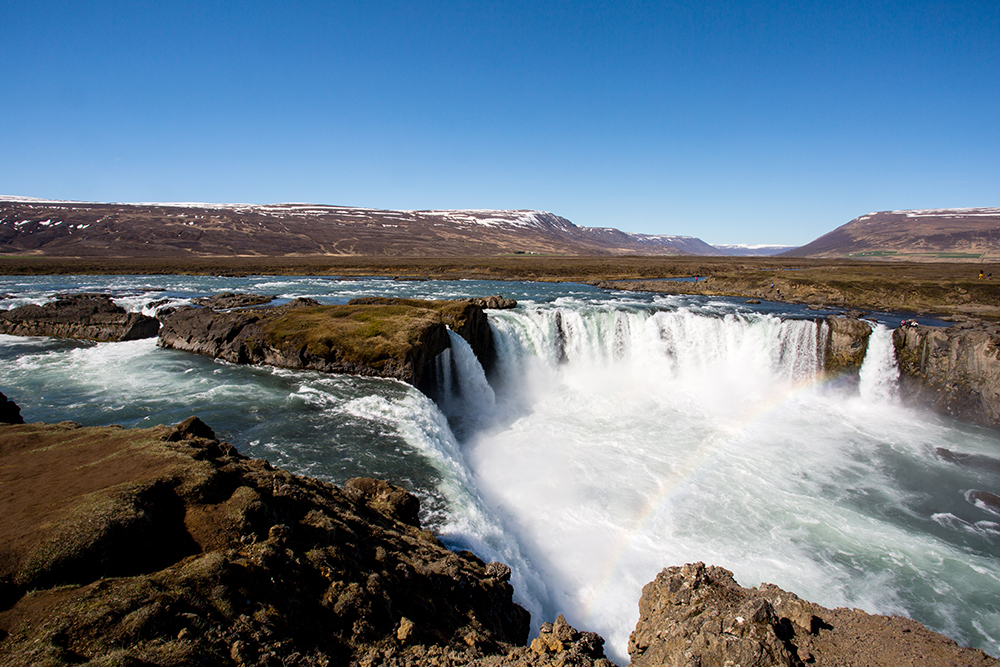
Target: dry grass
[(921, 286), (359, 332)]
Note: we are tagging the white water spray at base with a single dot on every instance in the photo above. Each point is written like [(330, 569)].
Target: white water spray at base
[(638, 440), (879, 373)]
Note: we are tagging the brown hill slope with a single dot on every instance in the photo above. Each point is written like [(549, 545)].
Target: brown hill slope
[(922, 234), (84, 229)]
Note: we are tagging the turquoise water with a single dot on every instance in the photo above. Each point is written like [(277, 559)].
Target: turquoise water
[(620, 434)]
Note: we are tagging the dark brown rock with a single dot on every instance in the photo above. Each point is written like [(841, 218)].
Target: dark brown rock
[(227, 300), (953, 370), (385, 498), (10, 413), (558, 644), (698, 616), (81, 316), (175, 549), (494, 302)]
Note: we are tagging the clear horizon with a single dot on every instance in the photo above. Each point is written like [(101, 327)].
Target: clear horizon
[(737, 123)]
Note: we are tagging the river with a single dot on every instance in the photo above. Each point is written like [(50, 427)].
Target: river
[(619, 433)]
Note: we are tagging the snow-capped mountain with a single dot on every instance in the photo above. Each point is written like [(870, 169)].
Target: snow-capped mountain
[(65, 228)]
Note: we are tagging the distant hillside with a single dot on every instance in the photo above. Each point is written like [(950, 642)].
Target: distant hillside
[(745, 250), (85, 229), (921, 234)]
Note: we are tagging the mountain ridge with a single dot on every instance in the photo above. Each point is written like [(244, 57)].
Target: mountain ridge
[(64, 228), (970, 233)]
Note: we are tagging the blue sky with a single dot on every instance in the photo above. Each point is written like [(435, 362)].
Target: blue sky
[(736, 122)]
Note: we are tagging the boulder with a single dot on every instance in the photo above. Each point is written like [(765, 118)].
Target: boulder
[(953, 370), (697, 616), (494, 302), (10, 413), (227, 300), (78, 316)]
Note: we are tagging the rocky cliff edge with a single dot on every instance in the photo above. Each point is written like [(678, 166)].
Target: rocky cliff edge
[(165, 546), (386, 337), (698, 616)]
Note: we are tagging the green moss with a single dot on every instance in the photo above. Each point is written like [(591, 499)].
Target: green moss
[(354, 332)]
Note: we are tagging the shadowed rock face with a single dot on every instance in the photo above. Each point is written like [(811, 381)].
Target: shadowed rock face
[(175, 549), (954, 371), (10, 413), (698, 616), (81, 316)]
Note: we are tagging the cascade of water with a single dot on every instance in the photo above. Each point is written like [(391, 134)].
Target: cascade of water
[(473, 394), (679, 344), (443, 376), (879, 373), (650, 438)]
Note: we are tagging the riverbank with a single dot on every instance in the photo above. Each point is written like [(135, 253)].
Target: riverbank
[(950, 289)]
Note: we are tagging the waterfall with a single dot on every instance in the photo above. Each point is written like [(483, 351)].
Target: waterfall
[(680, 346), (467, 398), (879, 373)]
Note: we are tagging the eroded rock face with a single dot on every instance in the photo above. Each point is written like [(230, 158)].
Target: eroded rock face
[(698, 616), (847, 341), (175, 549), (78, 316), (953, 370)]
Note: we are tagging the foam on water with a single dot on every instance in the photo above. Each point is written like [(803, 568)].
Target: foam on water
[(646, 439), (619, 434)]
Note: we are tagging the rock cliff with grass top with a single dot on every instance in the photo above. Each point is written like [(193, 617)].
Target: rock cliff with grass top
[(390, 338)]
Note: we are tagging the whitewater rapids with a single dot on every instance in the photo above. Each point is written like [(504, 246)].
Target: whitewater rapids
[(616, 436)]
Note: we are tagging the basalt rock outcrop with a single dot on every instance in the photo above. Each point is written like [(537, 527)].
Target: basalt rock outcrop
[(390, 338), (494, 302), (953, 370), (846, 344), (226, 300), (175, 549), (78, 316), (698, 616)]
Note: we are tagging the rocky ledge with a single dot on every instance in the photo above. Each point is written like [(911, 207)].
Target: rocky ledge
[(698, 616), (391, 338), (953, 370), (175, 549), (78, 316)]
